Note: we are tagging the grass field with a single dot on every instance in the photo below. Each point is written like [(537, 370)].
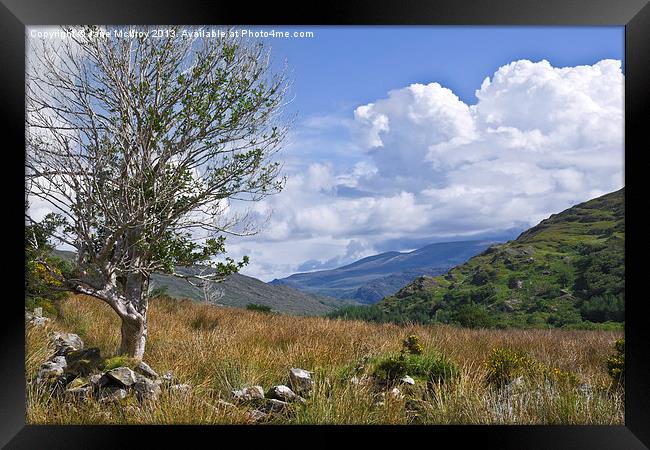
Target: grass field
[(217, 349)]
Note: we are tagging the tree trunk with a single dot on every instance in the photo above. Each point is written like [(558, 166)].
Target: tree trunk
[(134, 328), (134, 337)]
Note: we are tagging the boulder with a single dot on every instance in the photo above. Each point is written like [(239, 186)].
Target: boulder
[(146, 390), (93, 379), (255, 415), (78, 382), (248, 393), (66, 343), (112, 394), (282, 392), (120, 376), (38, 312), (81, 393), (50, 371), (300, 381), (274, 406), (407, 380), (143, 369)]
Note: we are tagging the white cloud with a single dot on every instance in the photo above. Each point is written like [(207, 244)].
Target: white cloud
[(538, 140)]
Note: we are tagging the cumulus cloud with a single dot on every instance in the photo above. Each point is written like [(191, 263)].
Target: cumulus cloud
[(538, 140)]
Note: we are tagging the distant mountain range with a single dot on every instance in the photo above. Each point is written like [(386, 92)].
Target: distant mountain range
[(567, 271), (375, 277), (240, 290)]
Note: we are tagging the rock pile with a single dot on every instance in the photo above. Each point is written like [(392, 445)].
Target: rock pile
[(76, 371), (278, 399)]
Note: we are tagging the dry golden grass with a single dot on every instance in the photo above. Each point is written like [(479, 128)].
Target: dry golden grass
[(217, 349)]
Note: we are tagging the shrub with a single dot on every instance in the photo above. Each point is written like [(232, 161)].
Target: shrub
[(258, 308), (603, 309), (430, 367), (504, 365), (616, 363), (412, 345), (49, 309), (474, 316)]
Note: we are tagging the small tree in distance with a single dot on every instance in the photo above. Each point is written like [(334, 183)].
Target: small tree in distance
[(139, 144)]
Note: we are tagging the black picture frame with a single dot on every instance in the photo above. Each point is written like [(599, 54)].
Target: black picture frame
[(15, 15)]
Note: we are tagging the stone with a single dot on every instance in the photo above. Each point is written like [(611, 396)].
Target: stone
[(38, 312), (407, 380), (143, 369), (274, 406), (91, 354), (167, 379), (77, 383), (66, 343), (395, 394), (248, 393), (39, 321), (81, 393), (146, 390), (282, 392), (255, 415), (50, 371), (520, 284), (180, 388), (300, 381), (225, 405), (121, 376), (112, 394), (94, 379)]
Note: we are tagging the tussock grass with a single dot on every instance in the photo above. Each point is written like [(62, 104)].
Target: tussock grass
[(217, 349)]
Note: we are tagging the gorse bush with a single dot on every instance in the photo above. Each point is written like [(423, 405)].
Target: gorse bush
[(414, 362), (429, 367), (412, 345), (616, 363), (504, 365)]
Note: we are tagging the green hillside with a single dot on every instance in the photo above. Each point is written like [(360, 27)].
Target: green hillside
[(569, 270)]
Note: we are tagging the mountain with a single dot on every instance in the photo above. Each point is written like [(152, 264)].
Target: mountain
[(569, 270), (372, 278), (240, 290)]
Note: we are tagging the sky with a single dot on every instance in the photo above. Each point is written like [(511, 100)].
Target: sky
[(406, 136)]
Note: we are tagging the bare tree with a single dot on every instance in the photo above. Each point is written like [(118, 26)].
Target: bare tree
[(139, 143)]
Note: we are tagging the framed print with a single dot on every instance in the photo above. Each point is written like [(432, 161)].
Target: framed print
[(384, 218)]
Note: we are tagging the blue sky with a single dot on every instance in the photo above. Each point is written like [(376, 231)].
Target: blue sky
[(346, 66), (392, 149)]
